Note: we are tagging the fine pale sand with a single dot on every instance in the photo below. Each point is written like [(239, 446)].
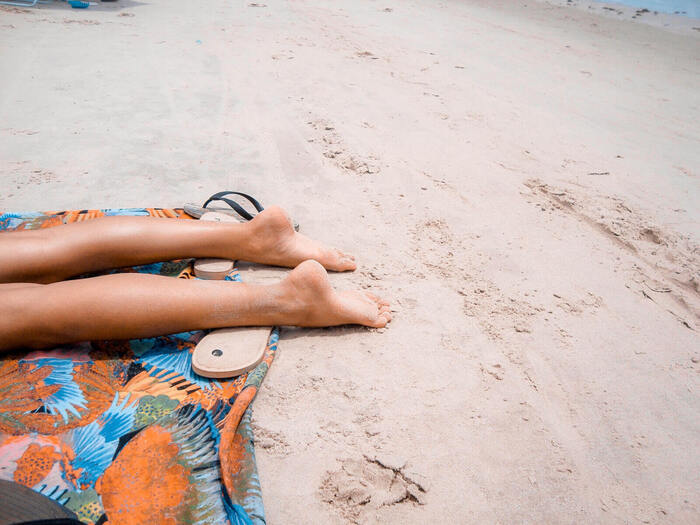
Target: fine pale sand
[(520, 180)]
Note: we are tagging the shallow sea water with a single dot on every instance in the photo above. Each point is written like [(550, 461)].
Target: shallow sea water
[(689, 8)]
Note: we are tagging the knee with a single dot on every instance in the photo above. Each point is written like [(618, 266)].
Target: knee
[(27, 256)]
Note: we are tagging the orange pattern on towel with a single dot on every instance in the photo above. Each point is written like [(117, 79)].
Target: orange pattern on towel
[(23, 389), (147, 465), (35, 464)]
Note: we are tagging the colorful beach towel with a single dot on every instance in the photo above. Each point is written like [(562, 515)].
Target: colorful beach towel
[(123, 431)]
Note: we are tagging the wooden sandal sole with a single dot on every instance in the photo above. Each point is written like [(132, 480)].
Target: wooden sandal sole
[(227, 352)]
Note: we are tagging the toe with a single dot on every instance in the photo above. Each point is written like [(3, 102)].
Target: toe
[(380, 317), (376, 299), (382, 320), (345, 262), (348, 264), (337, 261)]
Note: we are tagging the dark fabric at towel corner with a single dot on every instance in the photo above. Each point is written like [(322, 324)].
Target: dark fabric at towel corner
[(124, 431)]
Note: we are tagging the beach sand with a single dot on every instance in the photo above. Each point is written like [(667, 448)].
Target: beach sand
[(520, 179)]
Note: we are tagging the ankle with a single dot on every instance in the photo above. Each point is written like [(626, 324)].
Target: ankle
[(243, 241), (281, 305)]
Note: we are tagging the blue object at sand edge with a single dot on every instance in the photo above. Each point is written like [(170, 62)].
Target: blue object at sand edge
[(77, 4)]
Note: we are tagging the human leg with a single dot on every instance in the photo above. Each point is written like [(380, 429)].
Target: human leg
[(53, 254), (126, 306)]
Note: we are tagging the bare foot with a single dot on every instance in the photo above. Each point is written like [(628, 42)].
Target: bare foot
[(276, 243), (314, 302)]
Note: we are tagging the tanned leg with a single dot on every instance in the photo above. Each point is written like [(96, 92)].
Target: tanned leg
[(54, 254), (126, 306)]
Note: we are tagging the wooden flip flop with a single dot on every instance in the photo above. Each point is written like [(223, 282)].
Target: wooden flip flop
[(228, 352), (235, 209)]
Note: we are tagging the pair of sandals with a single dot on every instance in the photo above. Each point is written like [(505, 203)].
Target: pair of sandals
[(228, 352)]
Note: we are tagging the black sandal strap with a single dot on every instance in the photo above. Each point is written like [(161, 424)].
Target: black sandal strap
[(220, 196)]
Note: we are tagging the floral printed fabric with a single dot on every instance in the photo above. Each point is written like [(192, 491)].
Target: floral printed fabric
[(124, 432)]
